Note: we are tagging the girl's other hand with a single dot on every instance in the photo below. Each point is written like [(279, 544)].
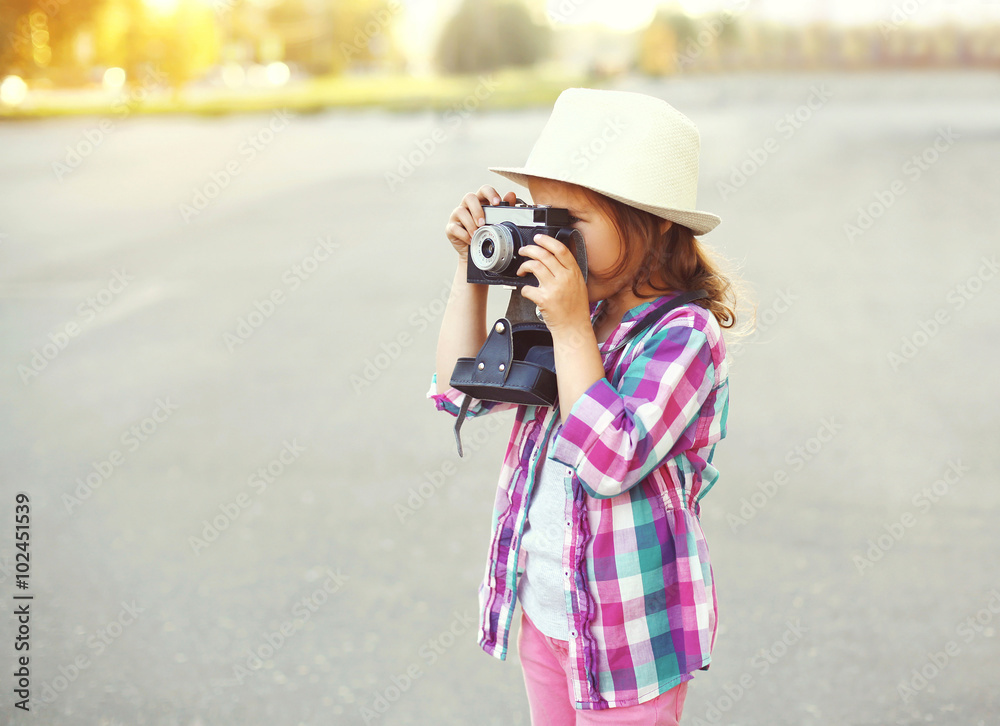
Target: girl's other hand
[(561, 294), (468, 216)]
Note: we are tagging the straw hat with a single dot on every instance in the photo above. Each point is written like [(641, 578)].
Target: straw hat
[(631, 147)]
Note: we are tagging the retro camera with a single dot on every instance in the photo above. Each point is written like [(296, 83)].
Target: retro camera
[(516, 364), (494, 253)]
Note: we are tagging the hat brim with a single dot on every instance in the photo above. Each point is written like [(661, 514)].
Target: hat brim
[(699, 222)]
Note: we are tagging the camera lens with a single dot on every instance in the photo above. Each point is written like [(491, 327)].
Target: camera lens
[(492, 248)]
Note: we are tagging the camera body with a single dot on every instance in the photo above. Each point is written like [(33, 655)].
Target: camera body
[(516, 364), (494, 253)]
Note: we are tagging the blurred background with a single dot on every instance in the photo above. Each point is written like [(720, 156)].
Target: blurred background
[(222, 273), (216, 55)]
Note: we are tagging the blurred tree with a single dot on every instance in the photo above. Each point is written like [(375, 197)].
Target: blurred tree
[(124, 37), (658, 50), (332, 36), (732, 30), (156, 43), (37, 35), (43, 38), (662, 43), (186, 41), (485, 35), (674, 41)]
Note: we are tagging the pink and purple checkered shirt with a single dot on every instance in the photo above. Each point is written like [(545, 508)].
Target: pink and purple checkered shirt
[(637, 451)]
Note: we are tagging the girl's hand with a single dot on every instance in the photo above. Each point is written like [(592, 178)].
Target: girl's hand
[(468, 216), (561, 294)]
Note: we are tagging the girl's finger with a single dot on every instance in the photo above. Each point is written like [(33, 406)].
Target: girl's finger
[(456, 230), (471, 202), (542, 255), (554, 247), (536, 268), (529, 292), (489, 194), (464, 217)]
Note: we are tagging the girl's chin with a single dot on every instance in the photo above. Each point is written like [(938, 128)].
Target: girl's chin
[(596, 293)]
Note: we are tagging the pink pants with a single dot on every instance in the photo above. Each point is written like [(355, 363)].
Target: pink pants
[(545, 663)]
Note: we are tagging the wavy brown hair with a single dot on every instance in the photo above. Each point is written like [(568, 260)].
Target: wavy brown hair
[(671, 261)]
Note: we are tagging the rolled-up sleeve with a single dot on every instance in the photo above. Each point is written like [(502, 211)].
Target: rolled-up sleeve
[(614, 438), (451, 401)]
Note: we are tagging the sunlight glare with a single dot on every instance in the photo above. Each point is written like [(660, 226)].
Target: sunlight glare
[(278, 73), (13, 90), (114, 79), (233, 75), (163, 7)]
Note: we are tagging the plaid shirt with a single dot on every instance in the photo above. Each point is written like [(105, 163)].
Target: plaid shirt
[(637, 450)]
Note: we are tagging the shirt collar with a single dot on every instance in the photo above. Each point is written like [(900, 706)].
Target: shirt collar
[(631, 317)]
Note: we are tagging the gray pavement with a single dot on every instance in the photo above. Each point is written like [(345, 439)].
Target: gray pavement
[(218, 334)]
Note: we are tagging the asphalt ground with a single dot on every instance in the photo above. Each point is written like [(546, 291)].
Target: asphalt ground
[(217, 339)]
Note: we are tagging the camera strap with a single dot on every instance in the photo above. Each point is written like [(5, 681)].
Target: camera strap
[(502, 332), (652, 318), (462, 413)]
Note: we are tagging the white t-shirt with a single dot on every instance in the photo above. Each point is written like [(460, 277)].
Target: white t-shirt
[(541, 589)]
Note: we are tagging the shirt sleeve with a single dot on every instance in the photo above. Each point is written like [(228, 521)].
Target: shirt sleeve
[(613, 439), (451, 401)]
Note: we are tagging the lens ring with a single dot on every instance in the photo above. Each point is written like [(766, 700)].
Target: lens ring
[(502, 241)]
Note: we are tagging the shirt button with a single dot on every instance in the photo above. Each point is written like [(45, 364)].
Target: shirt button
[(566, 573), (569, 524), (572, 633)]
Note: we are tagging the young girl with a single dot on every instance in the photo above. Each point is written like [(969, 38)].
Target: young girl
[(595, 526)]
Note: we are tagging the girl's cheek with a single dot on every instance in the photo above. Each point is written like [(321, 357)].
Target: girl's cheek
[(597, 258)]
